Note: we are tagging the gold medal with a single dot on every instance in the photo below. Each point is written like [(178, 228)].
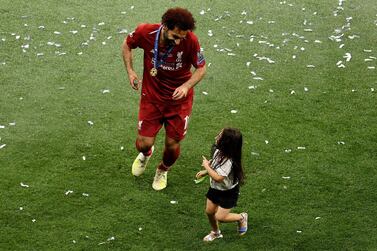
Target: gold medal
[(153, 72)]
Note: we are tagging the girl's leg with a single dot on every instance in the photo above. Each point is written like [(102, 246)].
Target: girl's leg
[(224, 215), (211, 210)]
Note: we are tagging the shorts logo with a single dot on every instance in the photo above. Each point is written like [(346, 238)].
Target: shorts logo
[(139, 124)]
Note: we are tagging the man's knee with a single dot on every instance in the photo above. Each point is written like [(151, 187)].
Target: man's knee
[(144, 144)]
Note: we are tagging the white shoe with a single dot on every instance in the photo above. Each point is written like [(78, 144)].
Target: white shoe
[(213, 236), (140, 163), (160, 180)]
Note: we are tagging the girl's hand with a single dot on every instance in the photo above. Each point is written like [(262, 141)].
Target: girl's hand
[(201, 173), (206, 163)]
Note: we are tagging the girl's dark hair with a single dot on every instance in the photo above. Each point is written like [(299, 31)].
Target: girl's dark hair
[(230, 146), (178, 17)]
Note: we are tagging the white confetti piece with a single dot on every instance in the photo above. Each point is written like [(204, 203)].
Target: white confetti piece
[(286, 177), (101, 23), (347, 56), (33, 220), (73, 32), (24, 185), (2, 127), (173, 202), (83, 158), (41, 27), (317, 218), (123, 31), (210, 33), (233, 111), (105, 91), (21, 208), (341, 143), (85, 194), (249, 22), (140, 228), (57, 33), (293, 92), (372, 89), (288, 150), (2, 146), (371, 67), (68, 192), (111, 238), (12, 123), (202, 12), (306, 89), (258, 78), (341, 46), (255, 153), (318, 41), (299, 231), (310, 66), (365, 50), (40, 54), (266, 141), (90, 122), (252, 87), (205, 93), (248, 64), (79, 53), (301, 147)]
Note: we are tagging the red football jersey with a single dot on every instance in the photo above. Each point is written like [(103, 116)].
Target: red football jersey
[(176, 68)]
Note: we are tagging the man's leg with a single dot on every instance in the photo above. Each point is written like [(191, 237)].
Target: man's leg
[(171, 154), (145, 146)]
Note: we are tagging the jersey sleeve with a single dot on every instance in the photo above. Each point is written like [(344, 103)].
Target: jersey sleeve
[(134, 39), (197, 59)]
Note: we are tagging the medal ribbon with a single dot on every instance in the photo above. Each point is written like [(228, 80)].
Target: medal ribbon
[(157, 63)]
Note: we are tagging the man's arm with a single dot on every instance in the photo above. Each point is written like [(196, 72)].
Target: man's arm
[(181, 91), (127, 59)]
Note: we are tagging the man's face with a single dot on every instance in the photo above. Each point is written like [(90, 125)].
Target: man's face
[(173, 37)]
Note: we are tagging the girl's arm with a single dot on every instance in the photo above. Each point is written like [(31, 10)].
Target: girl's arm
[(216, 177)]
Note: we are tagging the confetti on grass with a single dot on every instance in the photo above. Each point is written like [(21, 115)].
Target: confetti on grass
[(24, 185)]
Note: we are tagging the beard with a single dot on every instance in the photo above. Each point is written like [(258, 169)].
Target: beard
[(166, 40)]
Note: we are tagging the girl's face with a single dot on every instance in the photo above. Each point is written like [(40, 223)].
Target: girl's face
[(218, 137)]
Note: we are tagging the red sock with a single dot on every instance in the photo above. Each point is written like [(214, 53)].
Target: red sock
[(144, 150), (170, 156)]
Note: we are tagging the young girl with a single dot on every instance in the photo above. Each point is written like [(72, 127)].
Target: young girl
[(226, 175)]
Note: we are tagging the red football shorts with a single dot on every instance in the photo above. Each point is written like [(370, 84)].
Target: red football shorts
[(175, 119)]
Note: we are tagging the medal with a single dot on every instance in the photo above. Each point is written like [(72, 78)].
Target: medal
[(157, 63), (153, 72)]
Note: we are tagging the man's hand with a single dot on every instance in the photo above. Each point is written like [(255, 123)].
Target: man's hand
[(134, 80), (180, 92)]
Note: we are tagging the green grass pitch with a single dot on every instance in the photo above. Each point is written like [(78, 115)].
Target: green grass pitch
[(298, 77)]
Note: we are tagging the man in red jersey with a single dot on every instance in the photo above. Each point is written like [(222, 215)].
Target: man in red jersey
[(170, 50)]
